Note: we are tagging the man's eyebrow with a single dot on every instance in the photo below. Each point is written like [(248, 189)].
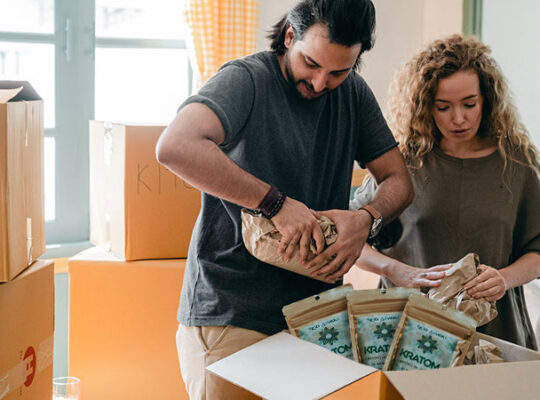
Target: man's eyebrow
[(311, 60), (465, 98)]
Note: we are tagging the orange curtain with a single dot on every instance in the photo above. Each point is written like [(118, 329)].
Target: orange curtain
[(219, 31)]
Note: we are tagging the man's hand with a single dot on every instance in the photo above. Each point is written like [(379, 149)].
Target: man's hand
[(490, 284), (353, 230), (407, 276), (297, 223)]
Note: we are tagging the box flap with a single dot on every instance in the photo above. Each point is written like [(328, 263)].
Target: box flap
[(303, 370), (479, 382), (17, 91), (7, 94)]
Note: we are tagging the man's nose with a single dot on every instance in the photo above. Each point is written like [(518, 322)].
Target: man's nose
[(319, 81)]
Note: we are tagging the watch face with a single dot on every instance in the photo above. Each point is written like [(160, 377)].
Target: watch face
[(375, 227)]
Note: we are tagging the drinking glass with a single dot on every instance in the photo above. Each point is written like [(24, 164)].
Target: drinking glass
[(66, 388)]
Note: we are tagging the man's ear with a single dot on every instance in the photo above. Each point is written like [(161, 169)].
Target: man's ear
[(289, 36)]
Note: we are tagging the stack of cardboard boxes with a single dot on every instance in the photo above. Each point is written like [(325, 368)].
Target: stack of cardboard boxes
[(26, 285), (124, 293)]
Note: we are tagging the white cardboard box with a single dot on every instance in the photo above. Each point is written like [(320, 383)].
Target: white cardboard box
[(285, 367)]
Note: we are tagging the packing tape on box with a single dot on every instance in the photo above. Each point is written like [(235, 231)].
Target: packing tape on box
[(33, 363), (29, 239), (107, 143)]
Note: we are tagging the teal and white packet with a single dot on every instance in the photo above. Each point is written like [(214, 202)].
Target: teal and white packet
[(322, 319), (375, 333), (373, 318), (332, 333), (423, 346), (429, 336)]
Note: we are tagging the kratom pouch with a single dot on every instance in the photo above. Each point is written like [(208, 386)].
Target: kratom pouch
[(261, 239), (451, 292), (373, 319), (429, 336), (322, 319)]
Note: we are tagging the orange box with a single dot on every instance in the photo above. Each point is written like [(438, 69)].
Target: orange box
[(122, 327), (26, 334), (22, 223), (358, 176), (138, 209)]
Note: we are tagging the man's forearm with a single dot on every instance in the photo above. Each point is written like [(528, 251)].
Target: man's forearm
[(189, 148), (395, 191), (393, 195)]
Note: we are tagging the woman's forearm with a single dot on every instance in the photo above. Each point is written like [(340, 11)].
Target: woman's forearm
[(372, 261), (523, 270)]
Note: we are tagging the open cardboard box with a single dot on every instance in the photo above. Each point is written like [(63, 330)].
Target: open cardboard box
[(22, 222), (285, 367), (139, 210)]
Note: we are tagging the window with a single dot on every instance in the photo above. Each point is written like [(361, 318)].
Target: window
[(113, 60)]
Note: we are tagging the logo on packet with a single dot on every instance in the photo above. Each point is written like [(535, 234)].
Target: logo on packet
[(427, 344), (384, 331), (328, 335)]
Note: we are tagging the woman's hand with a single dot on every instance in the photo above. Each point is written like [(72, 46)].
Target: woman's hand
[(407, 276), (490, 284)]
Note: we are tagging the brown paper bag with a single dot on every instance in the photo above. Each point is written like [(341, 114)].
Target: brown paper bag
[(451, 292), (484, 353), (261, 239)]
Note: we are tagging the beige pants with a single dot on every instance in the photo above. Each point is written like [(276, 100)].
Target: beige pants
[(200, 346)]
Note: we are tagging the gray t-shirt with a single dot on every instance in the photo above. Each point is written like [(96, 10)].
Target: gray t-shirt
[(307, 149), (469, 205)]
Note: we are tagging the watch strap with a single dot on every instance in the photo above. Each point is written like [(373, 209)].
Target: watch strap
[(372, 211)]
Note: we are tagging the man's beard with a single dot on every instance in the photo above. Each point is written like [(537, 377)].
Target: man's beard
[(294, 84)]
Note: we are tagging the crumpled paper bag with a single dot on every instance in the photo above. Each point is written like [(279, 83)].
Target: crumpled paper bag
[(484, 353), (261, 239), (451, 292)]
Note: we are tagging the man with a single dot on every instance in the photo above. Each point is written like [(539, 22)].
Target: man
[(277, 132)]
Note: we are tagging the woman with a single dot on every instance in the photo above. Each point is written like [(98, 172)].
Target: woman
[(476, 180)]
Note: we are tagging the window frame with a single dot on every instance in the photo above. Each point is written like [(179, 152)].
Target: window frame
[(75, 45)]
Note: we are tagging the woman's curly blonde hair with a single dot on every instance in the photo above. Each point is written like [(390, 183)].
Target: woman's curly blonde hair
[(412, 92)]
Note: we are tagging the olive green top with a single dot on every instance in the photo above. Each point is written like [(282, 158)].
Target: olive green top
[(465, 205)]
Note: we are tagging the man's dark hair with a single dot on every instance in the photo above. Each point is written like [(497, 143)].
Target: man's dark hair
[(349, 22)]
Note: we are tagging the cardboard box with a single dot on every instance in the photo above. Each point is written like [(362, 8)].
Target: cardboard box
[(22, 223), (26, 334), (122, 327), (358, 176), (307, 371), (138, 208)]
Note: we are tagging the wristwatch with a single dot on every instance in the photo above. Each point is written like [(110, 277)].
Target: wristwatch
[(377, 219)]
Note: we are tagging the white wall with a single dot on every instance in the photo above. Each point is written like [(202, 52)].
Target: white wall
[(270, 13), (402, 28), (511, 29)]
